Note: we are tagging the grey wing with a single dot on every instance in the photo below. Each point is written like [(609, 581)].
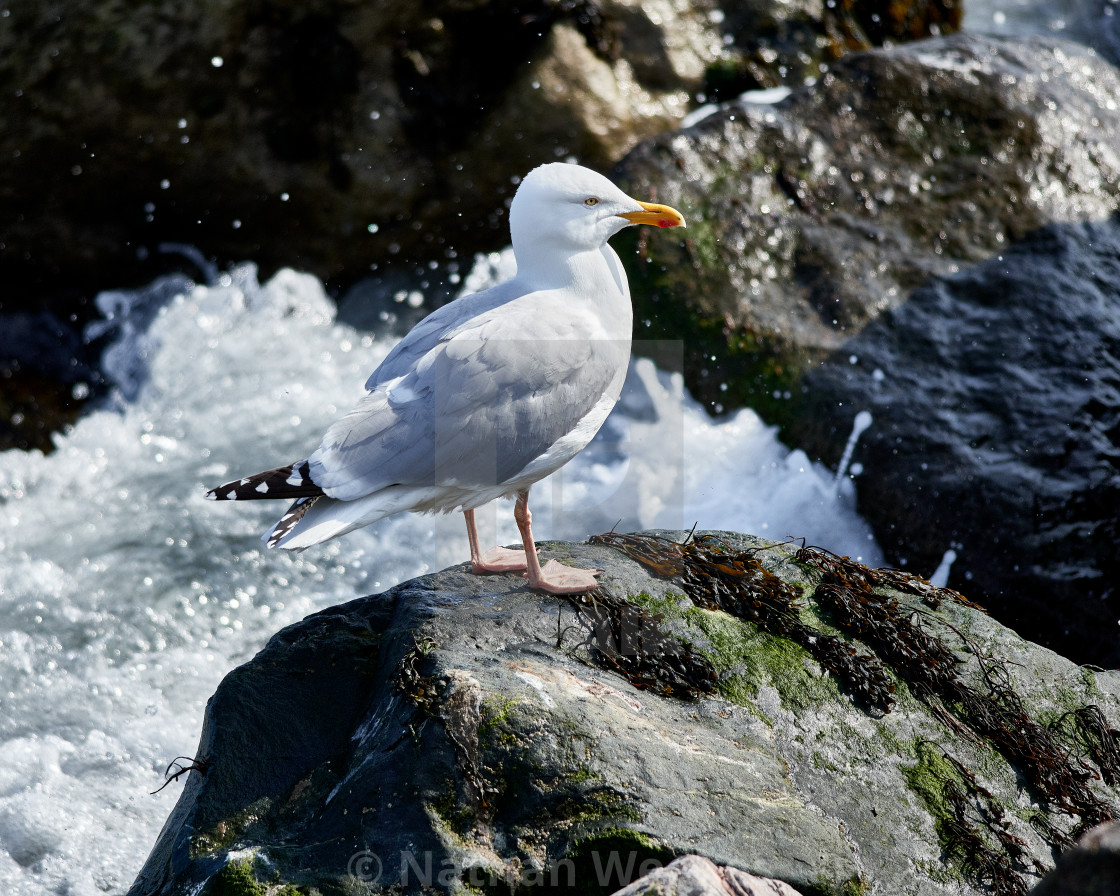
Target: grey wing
[(437, 327), (374, 446), (474, 409), (535, 392), (388, 438)]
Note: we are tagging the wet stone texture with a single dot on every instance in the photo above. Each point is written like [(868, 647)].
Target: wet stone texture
[(461, 731), (810, 218), (324, 136), (929, 234), (996, 399), (372, 144), (335, 135), (1091, 869)]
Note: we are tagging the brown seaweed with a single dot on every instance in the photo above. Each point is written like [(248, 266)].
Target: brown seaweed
[(715, 577), (628, 640), (1054, 760)]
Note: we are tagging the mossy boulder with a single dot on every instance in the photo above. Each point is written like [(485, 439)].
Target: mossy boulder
[(928, 234), (777, 710), (811, 217)]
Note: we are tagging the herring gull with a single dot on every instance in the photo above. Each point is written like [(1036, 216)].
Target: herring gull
[(489, 393)]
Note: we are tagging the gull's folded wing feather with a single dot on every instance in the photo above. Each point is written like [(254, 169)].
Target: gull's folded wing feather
[(474, 404), (436, 328)]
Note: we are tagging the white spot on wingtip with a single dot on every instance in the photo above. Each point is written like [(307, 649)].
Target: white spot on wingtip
[(211, 495), (262, 488), (231, 495), (244, 482)]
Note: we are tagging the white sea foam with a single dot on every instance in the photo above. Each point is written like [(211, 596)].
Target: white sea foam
[(125, 596), (1025, 17)]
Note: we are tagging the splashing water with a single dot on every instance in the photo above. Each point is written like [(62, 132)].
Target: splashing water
[(940, 577), (859, 425), (126, 596)]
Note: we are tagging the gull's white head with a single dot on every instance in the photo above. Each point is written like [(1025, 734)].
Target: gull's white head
[(568, 208)]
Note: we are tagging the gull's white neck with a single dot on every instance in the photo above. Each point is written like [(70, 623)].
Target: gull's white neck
[(594, 286), (589, 271)]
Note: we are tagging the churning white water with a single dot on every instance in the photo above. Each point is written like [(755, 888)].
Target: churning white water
[(125, 596)]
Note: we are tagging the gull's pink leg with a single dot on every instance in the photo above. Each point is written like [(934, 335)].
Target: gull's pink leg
[(495, 559), (555, 578)]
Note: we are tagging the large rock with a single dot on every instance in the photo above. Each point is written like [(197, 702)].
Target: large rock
[(322, 135), (333, 137), (342, 138), (953, 196), (809, 218), (995, 395), (338, 135), (789, 43), (462, 731), (1092, 868)]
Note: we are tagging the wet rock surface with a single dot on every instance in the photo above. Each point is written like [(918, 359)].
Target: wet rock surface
[(1092, 868), (811, 217), (466, 730), (928, 235), (336, 136), (996, 400), (326, 136)]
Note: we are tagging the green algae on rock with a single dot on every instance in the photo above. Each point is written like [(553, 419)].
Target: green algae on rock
[(462, 733)]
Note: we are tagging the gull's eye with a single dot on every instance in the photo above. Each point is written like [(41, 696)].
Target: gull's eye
[(590, 201)]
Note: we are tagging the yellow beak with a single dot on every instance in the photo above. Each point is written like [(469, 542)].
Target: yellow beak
[(659, 215)]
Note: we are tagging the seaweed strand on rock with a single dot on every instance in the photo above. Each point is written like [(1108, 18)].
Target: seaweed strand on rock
[(717, 578), (931, 670), (1100, 741), (1056, 760), (626, 639), (995, 869)]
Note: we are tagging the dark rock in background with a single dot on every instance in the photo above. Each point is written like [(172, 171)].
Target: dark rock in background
[(1092, 868), (809, 218), (772, 44), (996, 400), (333, 136), (464, 726), (47, 374), (324, 136), (915, 180), (337, 137)]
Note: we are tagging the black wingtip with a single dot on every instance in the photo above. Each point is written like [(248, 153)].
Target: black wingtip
[(287, 482), (289, 520)]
